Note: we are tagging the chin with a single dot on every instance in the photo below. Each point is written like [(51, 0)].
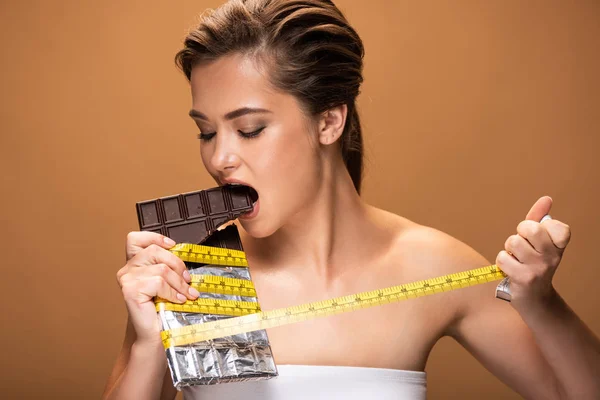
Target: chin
[(257, 229)]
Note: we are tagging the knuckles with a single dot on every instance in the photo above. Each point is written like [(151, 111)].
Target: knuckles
[(123, 275), (153, 249), (131, 236), (559, 232), (130, 289), (158, 281), (502, 258), (566, 234), (120, 274), (162, 270), (512, 242), (529, 228)]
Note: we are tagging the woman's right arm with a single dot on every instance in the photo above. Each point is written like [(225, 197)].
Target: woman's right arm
[(146, 367), (151, 270)]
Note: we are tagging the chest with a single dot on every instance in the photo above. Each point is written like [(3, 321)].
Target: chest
[(397, 335)]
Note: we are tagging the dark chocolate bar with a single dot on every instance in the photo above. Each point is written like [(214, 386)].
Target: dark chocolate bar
[(192, 217)]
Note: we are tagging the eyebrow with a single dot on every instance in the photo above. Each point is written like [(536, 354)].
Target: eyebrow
[(232, 114)]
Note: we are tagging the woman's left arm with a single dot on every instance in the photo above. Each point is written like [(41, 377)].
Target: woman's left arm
[(539, 346)]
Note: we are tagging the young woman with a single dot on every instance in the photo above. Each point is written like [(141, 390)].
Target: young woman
[(274, 85)]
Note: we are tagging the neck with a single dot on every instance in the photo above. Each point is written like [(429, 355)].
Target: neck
[(320, 239)]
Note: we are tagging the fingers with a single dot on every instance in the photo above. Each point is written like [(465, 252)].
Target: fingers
[(513, 268), (156, 280), (154, 254), (507, 262), (559, 232), (152, 270), (137, 241), (520, 249), (536, 234), (174, 280), (152, 286), (530, 257)]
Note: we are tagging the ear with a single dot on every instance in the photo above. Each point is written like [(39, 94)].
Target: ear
[(331, 124)]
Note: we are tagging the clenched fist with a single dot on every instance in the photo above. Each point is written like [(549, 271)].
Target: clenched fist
[(531, 256)]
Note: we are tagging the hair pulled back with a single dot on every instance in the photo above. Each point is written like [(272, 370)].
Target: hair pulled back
[(309, 47)]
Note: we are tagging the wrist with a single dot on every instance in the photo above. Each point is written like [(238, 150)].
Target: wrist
[(147, 346), (539, 306)]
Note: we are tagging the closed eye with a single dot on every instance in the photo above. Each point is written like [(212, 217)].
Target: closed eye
[(206, 137), (251, 135)]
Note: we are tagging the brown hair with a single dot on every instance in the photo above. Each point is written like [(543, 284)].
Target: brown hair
[(312, 51)]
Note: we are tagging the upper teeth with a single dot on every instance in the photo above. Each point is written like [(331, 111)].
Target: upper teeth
[(235, 184)]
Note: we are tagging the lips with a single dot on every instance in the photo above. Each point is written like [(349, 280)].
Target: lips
[(253, 213)]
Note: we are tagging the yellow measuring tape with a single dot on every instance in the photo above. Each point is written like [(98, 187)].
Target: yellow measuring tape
[(209, 255), (210, 306), (255, 319), (223, 285)]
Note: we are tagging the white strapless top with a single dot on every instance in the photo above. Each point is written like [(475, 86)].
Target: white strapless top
[(297, 382)]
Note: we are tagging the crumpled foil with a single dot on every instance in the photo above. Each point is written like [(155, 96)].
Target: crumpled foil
[(241, 357)]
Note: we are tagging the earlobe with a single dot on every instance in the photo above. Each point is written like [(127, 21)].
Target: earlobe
[(331, 125), (326, 137)]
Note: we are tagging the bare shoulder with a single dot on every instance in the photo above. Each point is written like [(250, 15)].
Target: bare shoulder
[(426, 251), (421, 252)]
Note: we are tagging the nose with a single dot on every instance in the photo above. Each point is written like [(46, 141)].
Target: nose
[(225, 158)]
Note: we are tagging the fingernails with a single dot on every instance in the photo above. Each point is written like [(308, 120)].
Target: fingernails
[(181, 298), (186, 276), (193, 292), (169, 241)]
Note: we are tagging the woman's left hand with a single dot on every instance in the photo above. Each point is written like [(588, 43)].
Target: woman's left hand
[(531, 257)]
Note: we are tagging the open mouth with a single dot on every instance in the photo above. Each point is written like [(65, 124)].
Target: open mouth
[(247, 191), (253, 195), (251, 191)]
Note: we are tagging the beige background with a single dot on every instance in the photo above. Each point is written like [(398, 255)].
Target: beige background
[(471, 110)]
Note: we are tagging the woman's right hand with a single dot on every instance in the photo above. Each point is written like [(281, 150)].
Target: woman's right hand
[(151, 270)]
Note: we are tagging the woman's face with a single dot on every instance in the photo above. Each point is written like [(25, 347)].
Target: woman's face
[(255, 135)]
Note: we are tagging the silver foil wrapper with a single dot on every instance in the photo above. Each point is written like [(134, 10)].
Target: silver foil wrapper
[(241, 357)]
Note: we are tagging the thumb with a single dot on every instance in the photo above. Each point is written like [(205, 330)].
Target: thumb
[(539, 209)]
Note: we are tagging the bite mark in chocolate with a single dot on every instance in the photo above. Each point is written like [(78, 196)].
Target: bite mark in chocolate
[(192, 217)]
